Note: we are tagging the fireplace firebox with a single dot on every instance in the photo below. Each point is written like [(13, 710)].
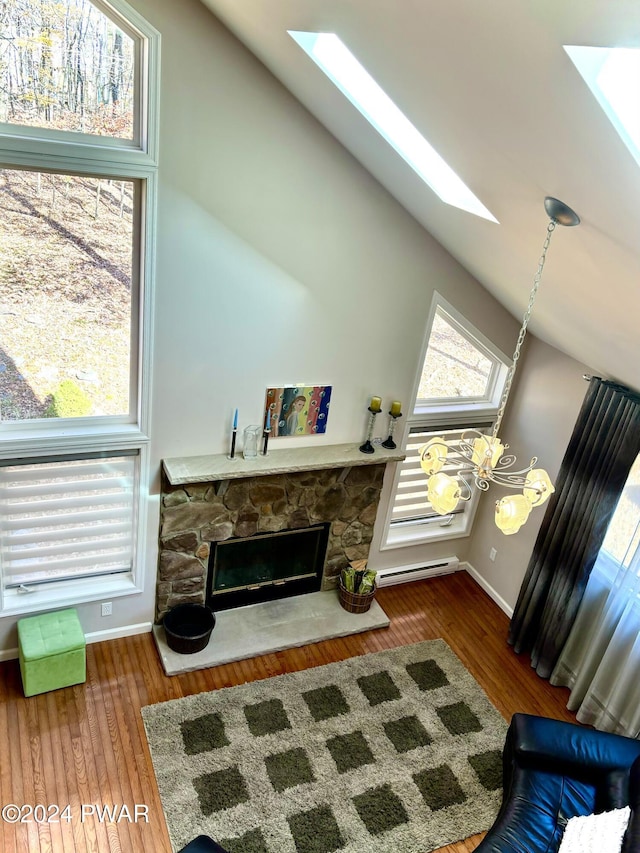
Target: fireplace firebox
[(266, 566)]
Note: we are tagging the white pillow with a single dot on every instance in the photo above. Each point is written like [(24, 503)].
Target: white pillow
[(596, 833)]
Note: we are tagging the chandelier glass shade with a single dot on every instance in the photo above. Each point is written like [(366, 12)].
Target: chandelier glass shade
[(478, 460)]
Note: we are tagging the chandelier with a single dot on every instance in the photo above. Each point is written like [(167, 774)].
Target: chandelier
[(479, 459)]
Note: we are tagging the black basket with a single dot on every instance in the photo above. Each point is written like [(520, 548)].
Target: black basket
[(188, 628)]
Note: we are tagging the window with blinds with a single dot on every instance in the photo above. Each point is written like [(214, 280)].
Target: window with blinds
[(63, 519), (75, 405), (410, 503), (458, 387)]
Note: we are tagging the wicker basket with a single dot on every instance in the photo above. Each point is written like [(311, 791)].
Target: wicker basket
[(354, 602)]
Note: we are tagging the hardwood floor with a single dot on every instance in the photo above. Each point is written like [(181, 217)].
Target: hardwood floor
[(86, 744)]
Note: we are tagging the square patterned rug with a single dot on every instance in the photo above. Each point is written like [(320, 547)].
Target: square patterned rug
[(398, 751)]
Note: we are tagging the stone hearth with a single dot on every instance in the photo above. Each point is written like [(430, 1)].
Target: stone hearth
[(195, 514)]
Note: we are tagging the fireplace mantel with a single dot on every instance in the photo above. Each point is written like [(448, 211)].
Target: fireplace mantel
[(181, 470)]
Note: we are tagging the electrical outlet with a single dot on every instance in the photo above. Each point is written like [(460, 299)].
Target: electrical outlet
[(493, 554), (107, 608)]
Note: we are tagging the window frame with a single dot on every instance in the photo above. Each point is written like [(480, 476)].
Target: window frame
[(146, 97), (43, 150), (445, 414), (490, 401), (133, 418)]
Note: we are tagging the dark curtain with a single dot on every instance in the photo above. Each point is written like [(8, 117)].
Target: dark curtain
[(602, 449)]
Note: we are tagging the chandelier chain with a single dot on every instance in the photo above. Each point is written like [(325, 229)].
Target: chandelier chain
[(523, 330)]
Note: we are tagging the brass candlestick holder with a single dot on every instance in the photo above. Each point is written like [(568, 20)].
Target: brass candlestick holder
[(389, 443), (367, 447)]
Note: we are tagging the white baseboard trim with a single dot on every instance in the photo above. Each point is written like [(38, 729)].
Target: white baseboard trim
[(117, 633), (8, 654), (96, 637), (499, 600)]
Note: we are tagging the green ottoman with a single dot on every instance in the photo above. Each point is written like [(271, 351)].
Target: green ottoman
[(52, 651)]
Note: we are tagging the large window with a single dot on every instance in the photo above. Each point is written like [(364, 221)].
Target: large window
[(67, 66), (78, 157), (68, 295), (458, 388)]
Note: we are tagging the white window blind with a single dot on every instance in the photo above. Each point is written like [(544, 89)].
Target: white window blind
[(67, 519), (410, 502)]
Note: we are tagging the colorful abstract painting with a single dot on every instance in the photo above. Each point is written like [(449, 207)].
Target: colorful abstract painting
[(298, 409)]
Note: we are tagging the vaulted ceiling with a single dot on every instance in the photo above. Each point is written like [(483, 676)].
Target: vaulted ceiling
[(489, 84)]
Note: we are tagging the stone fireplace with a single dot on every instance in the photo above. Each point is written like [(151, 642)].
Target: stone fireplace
[(239, 499)]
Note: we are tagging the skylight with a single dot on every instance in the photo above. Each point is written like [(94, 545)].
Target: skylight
[(613, 75), (355, 82)]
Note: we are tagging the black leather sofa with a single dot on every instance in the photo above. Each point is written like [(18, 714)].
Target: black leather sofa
[(553, 771)]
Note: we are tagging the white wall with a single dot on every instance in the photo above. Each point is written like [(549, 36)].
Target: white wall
[(279, 260), (540, 417)]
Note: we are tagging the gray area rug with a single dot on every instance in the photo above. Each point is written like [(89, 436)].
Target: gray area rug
[(398, 751)]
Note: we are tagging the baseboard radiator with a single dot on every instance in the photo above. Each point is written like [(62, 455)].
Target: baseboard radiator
[(418, 571)]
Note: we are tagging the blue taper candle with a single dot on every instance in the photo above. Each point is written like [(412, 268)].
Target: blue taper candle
[(234, 433)]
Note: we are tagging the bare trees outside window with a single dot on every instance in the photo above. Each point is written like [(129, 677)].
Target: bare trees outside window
[(66, 66), (66, 306)]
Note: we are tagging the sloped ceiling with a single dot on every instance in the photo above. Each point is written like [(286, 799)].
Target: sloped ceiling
[(490, 86)]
